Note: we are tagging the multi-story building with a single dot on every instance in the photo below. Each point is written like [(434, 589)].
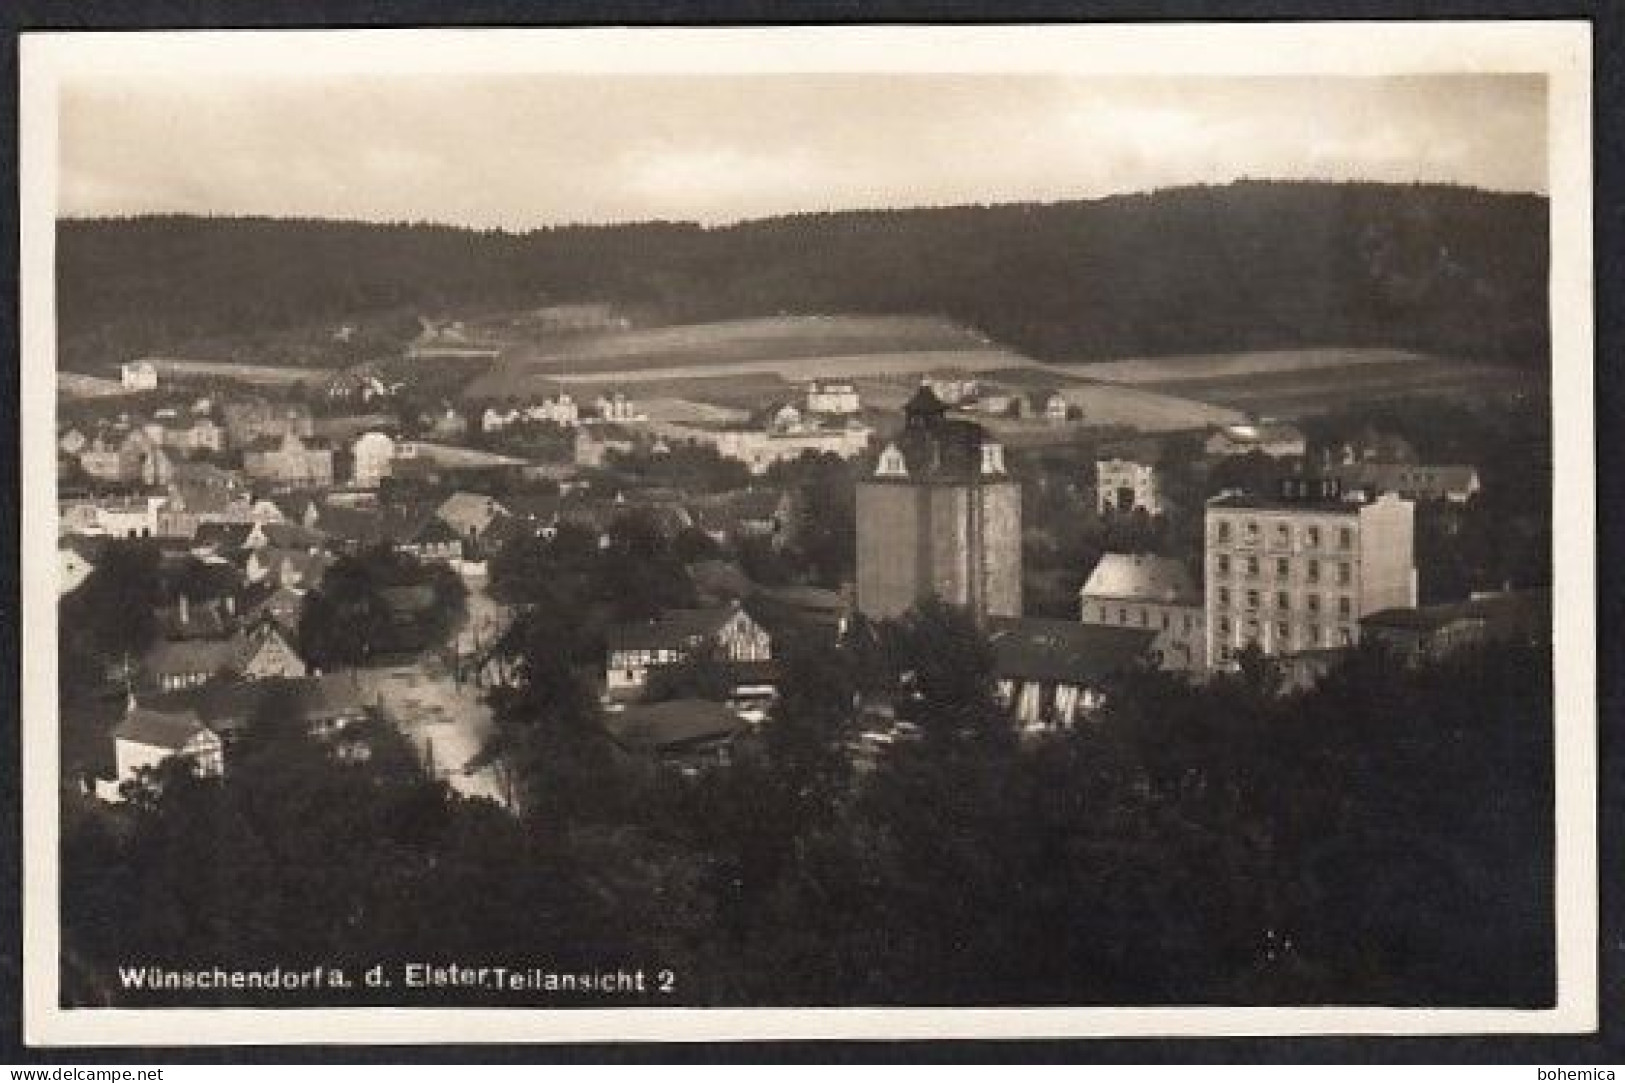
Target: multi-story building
[(939, 517), (1296, 571), (249, 421), (759, 449), (1122, 485), (1156, 593), (290, 462)]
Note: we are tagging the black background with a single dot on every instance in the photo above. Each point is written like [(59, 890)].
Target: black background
[(1608, 20)]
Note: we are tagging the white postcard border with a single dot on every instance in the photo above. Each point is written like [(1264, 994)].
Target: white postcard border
[(1559, 49)]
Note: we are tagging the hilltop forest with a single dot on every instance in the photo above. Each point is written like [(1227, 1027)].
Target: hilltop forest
[(1251, 265)]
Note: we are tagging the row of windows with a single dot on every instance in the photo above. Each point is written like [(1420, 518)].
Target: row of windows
[(1251, 567), (1314, 635), (1283, 601), (1312, 537), (1142, 616)]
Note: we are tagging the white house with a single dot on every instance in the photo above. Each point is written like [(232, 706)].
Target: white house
[(146, 739), (636, 649), (139, 376), (832, 397)]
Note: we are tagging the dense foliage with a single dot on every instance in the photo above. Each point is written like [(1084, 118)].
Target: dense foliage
[(1252, 265), (1386, 839), (358, 613)]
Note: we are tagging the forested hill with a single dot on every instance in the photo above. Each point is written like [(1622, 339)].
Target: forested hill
[(1251, 265)]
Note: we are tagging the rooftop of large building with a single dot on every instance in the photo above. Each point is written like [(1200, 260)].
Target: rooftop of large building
[(933, 447), (1064, 651), (1142, 577), (1297, 492)]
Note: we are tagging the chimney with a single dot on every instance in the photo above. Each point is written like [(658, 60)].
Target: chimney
[(186, 611)]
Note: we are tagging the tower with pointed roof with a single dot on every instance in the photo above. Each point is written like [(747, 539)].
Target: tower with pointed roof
[(939, 516)]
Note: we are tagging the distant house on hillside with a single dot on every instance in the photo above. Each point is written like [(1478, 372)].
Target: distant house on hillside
[(617, 408), (138, 376), (954, 390), (835, 397)]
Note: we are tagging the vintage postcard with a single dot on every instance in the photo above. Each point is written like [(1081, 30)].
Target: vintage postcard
[(840, 532)]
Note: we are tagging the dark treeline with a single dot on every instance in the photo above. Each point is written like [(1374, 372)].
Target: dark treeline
[(1251, 265), (1384, 839)]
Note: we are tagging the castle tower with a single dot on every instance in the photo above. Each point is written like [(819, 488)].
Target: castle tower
[(939, 516)]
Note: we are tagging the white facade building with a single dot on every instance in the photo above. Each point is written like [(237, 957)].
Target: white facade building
[(1122, 485), (1296, 572)]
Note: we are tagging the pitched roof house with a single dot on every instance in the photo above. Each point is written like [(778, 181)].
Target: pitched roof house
[(146, 738), (1053, 672)]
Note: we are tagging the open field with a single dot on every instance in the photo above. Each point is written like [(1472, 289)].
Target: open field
[(1183, 367), (1289, 384), (264, 375), (777, 338), (1151, 411), (786, 348)]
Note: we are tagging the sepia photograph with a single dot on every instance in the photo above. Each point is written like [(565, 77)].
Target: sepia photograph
[(1057, 530)]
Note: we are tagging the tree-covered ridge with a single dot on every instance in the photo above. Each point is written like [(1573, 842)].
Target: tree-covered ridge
[(1251, 265)]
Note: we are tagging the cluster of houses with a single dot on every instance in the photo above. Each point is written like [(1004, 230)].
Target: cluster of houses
[(561, 409), (1302, 572)]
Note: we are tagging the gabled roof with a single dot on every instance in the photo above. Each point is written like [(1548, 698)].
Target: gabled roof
[(466, 507), (674, 629), (191, 656), (1406, 477), (673, 726), (1525, 608), (1142, 577), (291, 535), (88, 546), (160, 729), (222, 536), (1065, 652), (228, 705)]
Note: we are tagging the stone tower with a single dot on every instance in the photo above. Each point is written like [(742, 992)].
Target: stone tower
[(939, 516)]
